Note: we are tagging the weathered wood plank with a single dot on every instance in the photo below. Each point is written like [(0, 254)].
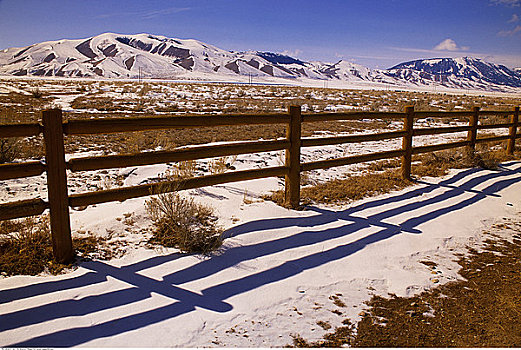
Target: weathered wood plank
[(192, 153), (292, 178), (408, 123), (512, 131), (330, 163), (312, 142), (497, 113), (441, 130), (20, 130), (320, 117), (21, 209), (18, 170), (442, 114), (495, 126), (440, 147), (493, 139), (57, 185), (473, 131)]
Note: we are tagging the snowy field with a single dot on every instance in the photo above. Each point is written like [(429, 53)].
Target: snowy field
[(279, 271)]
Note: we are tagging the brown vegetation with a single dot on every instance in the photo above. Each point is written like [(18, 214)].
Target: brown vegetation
[(182, 223), (26, 247), (348, 189), (9, 150)]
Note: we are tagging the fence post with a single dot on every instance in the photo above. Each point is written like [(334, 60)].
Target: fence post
[(473, 132), (512, 131), (57, 185), (292, 179), (408, 121)]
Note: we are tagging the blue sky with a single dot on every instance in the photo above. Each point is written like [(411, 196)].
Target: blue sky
[(375, 33)]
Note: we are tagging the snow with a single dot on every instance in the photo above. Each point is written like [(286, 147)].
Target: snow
[(274, 275)]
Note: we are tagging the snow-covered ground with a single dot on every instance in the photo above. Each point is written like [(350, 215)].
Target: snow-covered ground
[(278, 272)]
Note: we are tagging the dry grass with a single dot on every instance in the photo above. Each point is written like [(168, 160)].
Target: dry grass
[(178, 98), (182, 170), (349, 189), (483, 311), (29, 250), (221, 165), (26, 247), (438, 163)]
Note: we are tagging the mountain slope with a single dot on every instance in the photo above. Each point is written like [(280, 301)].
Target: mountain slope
[(462, 71), (111, 55)]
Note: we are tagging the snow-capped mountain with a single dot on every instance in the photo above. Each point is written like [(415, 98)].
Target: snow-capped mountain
[(118, 56), (462, 71), (112, 55)]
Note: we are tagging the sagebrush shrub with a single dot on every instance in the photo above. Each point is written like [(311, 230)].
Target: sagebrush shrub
[(184, 224)]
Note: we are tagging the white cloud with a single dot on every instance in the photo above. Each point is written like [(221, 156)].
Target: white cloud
[(506, 2), (145, 14), (512, 32), (449, 45), (514, 19), (292, 53), (164, 12)]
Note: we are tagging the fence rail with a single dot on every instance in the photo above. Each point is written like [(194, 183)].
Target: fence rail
[(54, 128), (192, 153)]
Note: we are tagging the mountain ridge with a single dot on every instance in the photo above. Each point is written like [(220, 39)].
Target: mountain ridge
[(112, 55)]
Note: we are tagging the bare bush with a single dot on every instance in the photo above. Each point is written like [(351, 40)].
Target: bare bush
[(182, 223), (183, 170), (36, 93)]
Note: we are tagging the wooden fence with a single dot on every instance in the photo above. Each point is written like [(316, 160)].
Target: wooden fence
[(54, 128)]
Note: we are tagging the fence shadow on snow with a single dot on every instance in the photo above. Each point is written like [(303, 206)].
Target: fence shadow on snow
[(459, 191)]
